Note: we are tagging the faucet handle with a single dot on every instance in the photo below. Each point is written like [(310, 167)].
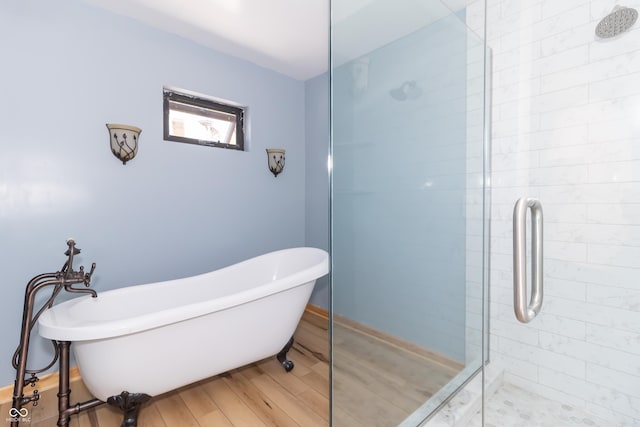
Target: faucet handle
[(67, 268), (72, 248), (87, 276)]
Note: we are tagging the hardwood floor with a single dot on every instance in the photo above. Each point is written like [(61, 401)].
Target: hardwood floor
[(378, 381)]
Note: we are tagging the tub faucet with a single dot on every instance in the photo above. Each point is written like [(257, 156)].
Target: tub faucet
[(65, 278), (68, 277)]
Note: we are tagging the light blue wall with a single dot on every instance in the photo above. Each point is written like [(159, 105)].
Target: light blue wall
[(317, 174), (176, 209), (399, 188)]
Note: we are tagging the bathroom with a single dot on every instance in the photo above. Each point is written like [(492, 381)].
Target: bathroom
[(564, 110)]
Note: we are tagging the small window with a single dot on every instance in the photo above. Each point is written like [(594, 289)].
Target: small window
[(202, 121)]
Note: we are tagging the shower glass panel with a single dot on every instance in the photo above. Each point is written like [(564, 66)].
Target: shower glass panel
[(407, 83), (565, 131)]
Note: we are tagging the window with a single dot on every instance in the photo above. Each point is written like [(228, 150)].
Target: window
[(202, 121)]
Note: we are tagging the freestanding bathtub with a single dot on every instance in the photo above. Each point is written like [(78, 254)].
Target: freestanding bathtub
[(158, 337)]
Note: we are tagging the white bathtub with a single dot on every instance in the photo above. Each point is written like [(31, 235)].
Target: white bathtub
[(158, 337)]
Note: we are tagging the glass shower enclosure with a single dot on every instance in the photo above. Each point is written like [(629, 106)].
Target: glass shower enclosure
[(408, 207), (415, 315)]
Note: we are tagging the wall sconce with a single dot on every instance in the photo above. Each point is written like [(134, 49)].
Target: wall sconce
[(124, 141), (275, 157)]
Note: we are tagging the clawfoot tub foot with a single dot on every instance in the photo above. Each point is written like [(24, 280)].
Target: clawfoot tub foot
[(130, 404), (282, 356)]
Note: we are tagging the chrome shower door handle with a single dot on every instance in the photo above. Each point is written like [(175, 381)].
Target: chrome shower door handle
[(526, 312)]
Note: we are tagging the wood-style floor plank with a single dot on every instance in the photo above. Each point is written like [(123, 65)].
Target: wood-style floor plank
[(215, 419), (259, 402), (152, 417), (288, 402), (317, 382), (291, 383), (342, 418), (317, 402), (101, 416), (174, 412), (378, 382), (199, 403), (231, 405), (348, 370)]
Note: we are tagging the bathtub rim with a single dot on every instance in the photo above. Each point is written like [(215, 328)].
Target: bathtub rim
[(62, 327)]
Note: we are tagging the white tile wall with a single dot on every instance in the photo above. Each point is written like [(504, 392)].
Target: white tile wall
[(566, 129)]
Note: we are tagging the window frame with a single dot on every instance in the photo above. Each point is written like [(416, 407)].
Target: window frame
[(201, 103)]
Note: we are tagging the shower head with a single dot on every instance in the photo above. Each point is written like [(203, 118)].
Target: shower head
[(398, 94), (618, 21), (408, 90)]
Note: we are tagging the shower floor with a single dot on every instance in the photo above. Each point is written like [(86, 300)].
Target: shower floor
[(510, 405)]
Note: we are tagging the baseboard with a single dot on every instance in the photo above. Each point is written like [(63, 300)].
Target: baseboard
[(399, 343), (317, 311)]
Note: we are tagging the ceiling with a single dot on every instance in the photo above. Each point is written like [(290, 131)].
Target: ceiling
[(287, 36)]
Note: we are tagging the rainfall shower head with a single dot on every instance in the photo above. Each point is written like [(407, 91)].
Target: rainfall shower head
[(408, 90), (618, 21)]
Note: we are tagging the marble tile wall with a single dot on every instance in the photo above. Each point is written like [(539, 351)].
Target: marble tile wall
[(566, 130)]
